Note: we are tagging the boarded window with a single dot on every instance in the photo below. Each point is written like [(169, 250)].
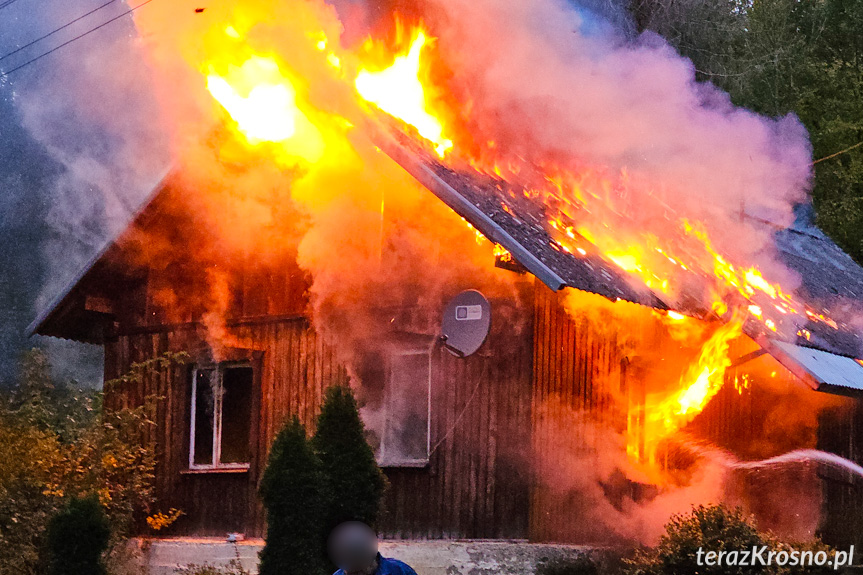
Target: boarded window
[(221, 417), (405, 433)]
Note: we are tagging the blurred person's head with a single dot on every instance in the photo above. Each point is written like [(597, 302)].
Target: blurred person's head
[(353, 547)]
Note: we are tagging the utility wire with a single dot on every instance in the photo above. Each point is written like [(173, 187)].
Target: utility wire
[(52, 32), (78, 37), (7, 3), (449, 433)]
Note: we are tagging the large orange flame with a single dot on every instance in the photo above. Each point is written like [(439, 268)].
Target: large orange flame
[(665, 413), (263, 103), (699, 385), (399, 91)]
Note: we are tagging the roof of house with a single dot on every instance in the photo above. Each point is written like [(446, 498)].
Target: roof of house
[(831, 281), (69, 315), (502, 213)]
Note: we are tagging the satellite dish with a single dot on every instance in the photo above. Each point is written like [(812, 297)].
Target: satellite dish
[(466, 322)]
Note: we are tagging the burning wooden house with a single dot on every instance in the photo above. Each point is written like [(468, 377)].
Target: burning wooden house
[(631, 365)]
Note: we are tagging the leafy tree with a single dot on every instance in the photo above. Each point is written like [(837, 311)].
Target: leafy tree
[(711, 33), (77, 538), (291, 492), (354, 484)]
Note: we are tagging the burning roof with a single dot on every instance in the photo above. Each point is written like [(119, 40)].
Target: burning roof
[(831, 283), (503, 214), (651, 214)]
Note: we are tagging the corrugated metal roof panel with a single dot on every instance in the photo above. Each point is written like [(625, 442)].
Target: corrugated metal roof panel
[(822, 370)]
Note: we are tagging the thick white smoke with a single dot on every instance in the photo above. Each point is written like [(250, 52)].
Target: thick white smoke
[(90, 104), (551, 81)]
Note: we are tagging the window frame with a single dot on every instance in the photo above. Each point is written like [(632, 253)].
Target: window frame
[(218, 405), (392, 352)]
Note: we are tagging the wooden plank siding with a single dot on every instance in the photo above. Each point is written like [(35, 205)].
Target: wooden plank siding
[(580, 381), (547, 385), (218, 502), (841, 432), (476, 485)]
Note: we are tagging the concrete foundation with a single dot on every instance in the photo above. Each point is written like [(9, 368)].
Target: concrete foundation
[(442, 557)]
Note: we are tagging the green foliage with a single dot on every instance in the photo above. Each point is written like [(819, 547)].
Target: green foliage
[(710, 33), (292, 495), (715, 528), (77, 537), (310, 486), (813, 53), (58, 442), (354, 484)]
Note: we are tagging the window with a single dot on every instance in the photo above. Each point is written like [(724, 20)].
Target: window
[(221, 417), (404, 439)]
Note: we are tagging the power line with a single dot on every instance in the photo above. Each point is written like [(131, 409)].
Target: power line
[(7, 3), (78, 37), (52, 32)]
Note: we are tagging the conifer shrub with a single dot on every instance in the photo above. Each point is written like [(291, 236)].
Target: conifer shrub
[(354, 484), (77, 537), (291, 491)]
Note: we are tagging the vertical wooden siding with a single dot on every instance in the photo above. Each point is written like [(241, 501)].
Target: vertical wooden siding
[(293, 369), (841, 431), (579, 367), (475, 486)]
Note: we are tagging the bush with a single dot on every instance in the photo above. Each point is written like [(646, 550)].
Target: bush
[(291, 492), (714, 528), (77, 537), (57, 442), (354, 484)]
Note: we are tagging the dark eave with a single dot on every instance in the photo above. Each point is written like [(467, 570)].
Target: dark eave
[(70, 314)]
